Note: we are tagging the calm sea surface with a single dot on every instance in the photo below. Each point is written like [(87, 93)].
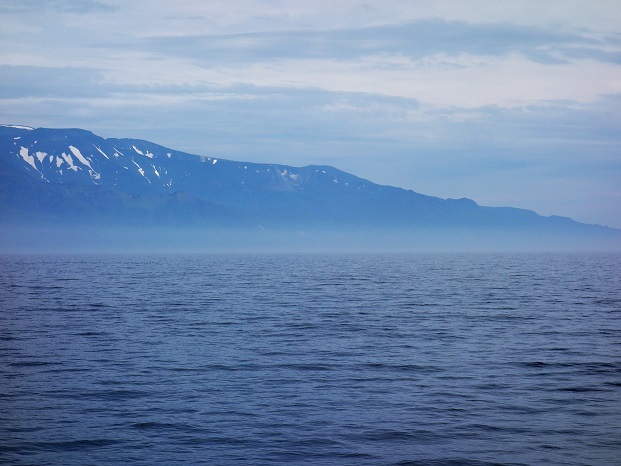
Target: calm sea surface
[(311, 359)]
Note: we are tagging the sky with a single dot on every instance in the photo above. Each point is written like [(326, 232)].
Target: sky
[(509, 103)]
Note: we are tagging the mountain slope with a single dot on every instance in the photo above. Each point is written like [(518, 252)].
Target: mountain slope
[(61, 175)]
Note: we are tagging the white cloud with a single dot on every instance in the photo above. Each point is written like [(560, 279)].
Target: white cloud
[(220, 16)]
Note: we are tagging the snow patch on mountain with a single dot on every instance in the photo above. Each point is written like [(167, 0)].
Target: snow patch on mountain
[(84, 161), (139, 168), (101, 152), (79, 156), (29, 159), (69, 161), (28, 128)]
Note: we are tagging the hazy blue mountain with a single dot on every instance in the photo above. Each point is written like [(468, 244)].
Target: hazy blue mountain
[(73, 175)]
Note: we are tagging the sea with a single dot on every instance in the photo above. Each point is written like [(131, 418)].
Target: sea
[(311, 359)]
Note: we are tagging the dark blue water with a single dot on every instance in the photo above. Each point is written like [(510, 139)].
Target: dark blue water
[(310, 359)]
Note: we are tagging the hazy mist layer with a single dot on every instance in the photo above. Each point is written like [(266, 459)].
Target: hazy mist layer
[(91, 239)]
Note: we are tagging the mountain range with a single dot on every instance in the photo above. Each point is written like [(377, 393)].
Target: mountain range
[(72, 176)]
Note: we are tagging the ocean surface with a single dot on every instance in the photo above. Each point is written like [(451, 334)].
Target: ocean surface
[(456, 359)]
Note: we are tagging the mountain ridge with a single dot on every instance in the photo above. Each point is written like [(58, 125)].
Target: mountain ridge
[(75, 176)]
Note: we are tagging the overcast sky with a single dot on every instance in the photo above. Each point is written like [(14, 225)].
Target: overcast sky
[(509, 103)]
